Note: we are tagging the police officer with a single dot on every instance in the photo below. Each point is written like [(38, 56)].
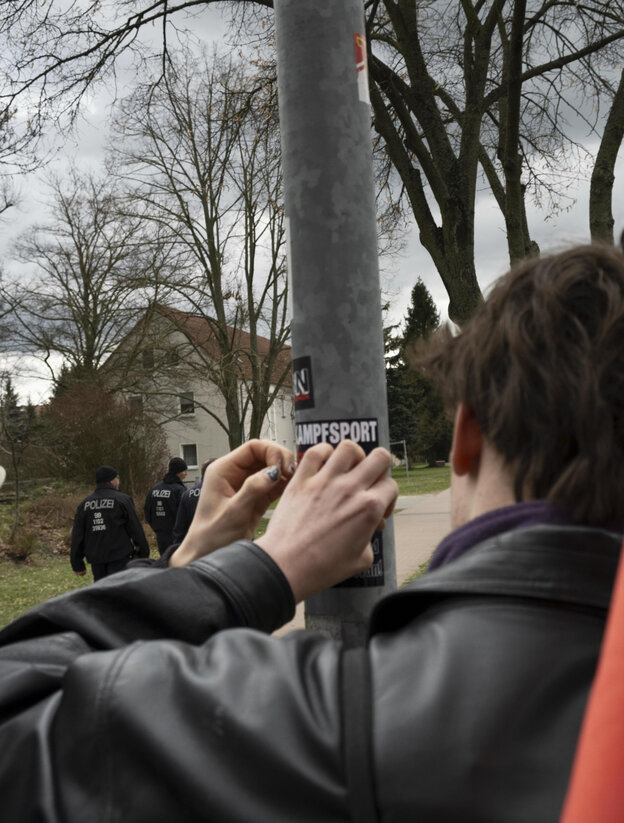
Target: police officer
[(188, 504), (162, 501), (106, 529)]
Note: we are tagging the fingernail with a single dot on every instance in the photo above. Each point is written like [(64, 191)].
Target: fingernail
[(273, 473)]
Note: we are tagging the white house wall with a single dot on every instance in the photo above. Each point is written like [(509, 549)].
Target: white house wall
[(203, 431)]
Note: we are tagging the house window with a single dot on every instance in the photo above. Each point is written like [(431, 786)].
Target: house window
[(148, 358), (189, 455), (187, 403)]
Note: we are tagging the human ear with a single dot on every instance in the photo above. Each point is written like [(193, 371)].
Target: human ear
[(467, 441)]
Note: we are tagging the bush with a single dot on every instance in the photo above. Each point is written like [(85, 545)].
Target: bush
[(23, 545), (85, 427)]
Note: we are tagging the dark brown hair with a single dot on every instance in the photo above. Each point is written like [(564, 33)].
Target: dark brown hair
[(542, 366)]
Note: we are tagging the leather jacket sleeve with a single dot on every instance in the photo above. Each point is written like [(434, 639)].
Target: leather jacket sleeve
[(191, 723)]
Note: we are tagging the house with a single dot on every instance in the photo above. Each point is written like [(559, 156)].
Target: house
[(181, 366)]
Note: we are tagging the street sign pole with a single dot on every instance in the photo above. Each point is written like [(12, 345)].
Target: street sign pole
[(337, 339)]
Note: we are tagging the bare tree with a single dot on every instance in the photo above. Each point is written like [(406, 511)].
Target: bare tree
[(601, 220), (462, 86), (84, 283), (201, 153)]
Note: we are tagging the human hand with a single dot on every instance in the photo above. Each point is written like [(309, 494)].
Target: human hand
[(320, 532), (236, 491)]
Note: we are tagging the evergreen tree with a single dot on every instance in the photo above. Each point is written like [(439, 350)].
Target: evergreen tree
[(415, 407), (422, 318), (17, 424)]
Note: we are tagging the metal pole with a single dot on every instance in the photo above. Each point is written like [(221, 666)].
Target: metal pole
[(338, 362)]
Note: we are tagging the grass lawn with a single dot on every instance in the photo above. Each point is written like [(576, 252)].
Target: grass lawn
[(24, 584), (421, 479)]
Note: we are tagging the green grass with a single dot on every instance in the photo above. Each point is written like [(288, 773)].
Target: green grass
[(24, 585), (422, 479), (418, 573)]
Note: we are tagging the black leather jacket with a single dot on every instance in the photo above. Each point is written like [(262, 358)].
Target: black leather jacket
[(126, 700)]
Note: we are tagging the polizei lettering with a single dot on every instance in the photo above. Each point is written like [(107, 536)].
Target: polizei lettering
[(161, 493), (105, 503), (333, 432)]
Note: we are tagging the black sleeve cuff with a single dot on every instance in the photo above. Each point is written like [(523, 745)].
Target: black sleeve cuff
[(252, 581)]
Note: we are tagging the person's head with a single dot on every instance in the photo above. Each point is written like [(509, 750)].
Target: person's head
[(541, 368), (107, 474), (178, 467)]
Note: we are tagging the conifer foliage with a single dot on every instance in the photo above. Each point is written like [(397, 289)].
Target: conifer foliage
[(415, 406)]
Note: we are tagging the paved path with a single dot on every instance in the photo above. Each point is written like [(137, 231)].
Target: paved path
[(420, 522)]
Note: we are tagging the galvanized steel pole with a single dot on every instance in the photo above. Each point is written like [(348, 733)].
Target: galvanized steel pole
[(338, 362)]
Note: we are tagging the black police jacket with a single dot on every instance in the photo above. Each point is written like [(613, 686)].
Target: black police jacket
[(106, 528), (161, 503), (137, 700)]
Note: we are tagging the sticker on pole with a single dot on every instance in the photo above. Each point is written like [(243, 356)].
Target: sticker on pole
[(365, 433), (361, 64), (303, 389), (333, 432)]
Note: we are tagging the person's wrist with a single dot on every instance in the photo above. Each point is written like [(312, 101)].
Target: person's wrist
[(287, 566), (203, 540), (190, 549)]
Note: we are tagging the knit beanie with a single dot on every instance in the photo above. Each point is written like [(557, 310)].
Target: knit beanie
[(177, 465), (105, 474)]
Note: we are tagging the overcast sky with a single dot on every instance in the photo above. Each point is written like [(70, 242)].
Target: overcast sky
[(398, 274)]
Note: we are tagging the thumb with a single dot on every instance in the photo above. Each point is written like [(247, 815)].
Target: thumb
[(259, 490)]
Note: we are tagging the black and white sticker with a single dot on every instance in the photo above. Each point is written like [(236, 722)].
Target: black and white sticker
[(303, 388), (333, 432), (365, 433)]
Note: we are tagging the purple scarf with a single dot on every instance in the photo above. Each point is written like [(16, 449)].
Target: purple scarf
[(497, 521)]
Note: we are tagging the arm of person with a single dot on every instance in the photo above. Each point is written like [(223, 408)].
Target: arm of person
[(182, 522), (135, 531), (77, 544), (147, 730), (167, 730), (319, 533), (71, 670), (147, 508)]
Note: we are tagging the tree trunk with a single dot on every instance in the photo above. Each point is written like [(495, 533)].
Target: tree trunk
[(16, 509), (511, 158), (601, 187)]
